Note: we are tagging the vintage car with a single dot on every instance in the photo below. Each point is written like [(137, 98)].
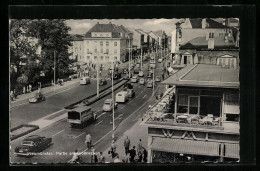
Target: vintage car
[(149, 75), (160, 60), (108, 105), (32, 145), (149, 83), (134, 79), (102, 81), (157, 79), (137, 65), (131, 92), (142, 81), (128, 86), (141, 74), (85, 80), (38, 97)]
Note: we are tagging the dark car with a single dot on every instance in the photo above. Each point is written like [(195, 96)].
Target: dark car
[(37, 98), (116, 75), (31, 145), (102, 81)]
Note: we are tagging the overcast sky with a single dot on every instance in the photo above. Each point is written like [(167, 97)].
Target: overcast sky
[(82, 26)]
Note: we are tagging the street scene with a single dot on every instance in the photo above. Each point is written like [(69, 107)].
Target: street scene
[(124, 91)]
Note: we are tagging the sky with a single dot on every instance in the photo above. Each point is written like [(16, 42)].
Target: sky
[(82, 26)]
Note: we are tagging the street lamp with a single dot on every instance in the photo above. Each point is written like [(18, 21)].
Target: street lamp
[(113, 109), (98, 75), (54, 71)]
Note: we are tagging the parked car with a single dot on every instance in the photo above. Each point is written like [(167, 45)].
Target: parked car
[(108, 105), (157, 79), (149, 75), (149, 83), (160, 60), (31, 145), (38, 97), (141, 74), (128, 86), (142, 81), (137, 65), (102, 81), (134, 79), (85, 80), (131, 92)]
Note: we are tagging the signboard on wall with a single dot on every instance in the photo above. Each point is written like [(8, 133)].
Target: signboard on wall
[(101, 34)]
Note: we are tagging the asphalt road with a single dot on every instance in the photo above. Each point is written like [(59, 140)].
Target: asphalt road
[(27, 112), (67, 139)]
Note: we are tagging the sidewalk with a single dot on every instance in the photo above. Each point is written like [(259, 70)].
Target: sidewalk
[(134, 133), (46, 90)]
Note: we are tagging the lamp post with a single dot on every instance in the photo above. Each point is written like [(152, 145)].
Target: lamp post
[(129, 60), (54, 81), (113, 109), (141, 58), (153, 81), (98, 76)]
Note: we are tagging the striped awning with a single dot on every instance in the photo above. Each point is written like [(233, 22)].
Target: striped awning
[(232, 150), (185, 146)]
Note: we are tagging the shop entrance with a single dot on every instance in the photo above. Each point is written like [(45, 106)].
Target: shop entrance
[(210, 105)]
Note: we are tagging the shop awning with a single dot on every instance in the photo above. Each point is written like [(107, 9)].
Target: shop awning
[(232, 150), (185, 146)]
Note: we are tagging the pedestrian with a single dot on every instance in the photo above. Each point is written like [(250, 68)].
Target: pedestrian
[(27, 89), (87, 72), (132, 155), (117, 160), (12, 95), (24, 90), (140, 146), (15, 95), (88, 141), (113, 149), (126, 145), (100, 73), (102, 159), (144, 155), (30, 88), (162, 76), (126, 158), (156, 96), (93, 155)]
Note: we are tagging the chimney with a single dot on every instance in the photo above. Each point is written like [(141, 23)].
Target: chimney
[(211, 41), (203, 23)]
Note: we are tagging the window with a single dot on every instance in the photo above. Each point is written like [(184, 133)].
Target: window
[(87, 51), (101, 57), (115, 51), (107, 43), (115, 58), (182, 104), (115, 43), (88, 57), (107, 58), (101, 43), (101, 50), (95, 50), (95, 58), (107, 51), (193, 104)]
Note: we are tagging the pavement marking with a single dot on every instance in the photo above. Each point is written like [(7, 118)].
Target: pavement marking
[(144, 96), (58, 132), (101, 114), (79, 135), (130, 101), (122, 107), (99, 123)]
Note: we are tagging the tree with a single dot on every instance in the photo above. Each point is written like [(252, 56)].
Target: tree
[(54, 40)]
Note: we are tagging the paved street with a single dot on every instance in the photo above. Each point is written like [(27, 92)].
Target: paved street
[(61, 131)]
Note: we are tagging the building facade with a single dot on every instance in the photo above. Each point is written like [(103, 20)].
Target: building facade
[(103, 43)]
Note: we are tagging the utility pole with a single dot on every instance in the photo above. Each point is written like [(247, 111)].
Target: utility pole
[(141, 58), (97, 76), (129, 60), (153, 81), (54, 81), (113, 109)]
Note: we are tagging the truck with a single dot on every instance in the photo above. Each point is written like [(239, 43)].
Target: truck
[(80, 116)]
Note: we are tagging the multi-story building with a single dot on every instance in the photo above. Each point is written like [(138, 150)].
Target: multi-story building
[(76, 51), (103, 43), (188, 29), (210, 50)]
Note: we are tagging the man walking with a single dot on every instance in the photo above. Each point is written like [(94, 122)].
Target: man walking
[(127, 145), (113, 149), (88, 141), (132, 155), (140, 146)]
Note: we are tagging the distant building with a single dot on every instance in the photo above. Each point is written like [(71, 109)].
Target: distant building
[(211, 50), (188, 29), (102, 43)]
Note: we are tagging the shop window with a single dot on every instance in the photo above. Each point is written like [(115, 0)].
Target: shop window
[(182, 104)]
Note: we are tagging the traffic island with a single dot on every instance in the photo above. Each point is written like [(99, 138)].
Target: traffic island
[(22, 130)]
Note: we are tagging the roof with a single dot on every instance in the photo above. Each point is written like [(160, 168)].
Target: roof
[(81, 108), (116, 30), (77, 37), (201, 42), (203, 75), (185, 146), (197, 23)]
